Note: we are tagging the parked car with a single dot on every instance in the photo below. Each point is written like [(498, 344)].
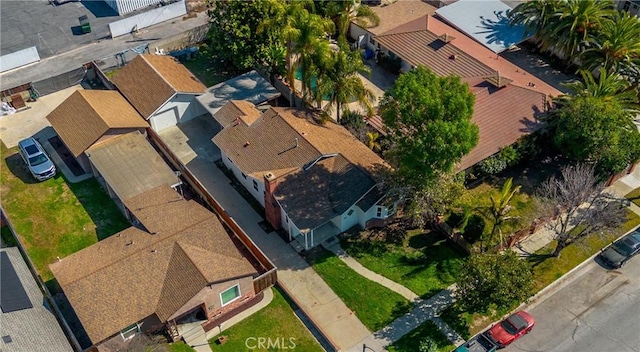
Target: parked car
[(510, 329), (617, 253), (479, 343), (37, 160)]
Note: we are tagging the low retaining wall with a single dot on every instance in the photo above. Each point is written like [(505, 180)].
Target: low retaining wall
[(147, 19)]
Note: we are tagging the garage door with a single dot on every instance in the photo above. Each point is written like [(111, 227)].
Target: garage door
[(163, 120)]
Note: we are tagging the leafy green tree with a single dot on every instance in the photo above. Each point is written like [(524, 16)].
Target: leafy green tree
[(234, 33), (428, 202), (311, 46), (338, 80), (578, 206), (499, 210), (429, 123), (593, 129), (428, 345), (499, 279), (616, 46), (346, 11)]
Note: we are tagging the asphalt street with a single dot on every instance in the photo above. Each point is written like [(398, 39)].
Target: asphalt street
[(598, 311)]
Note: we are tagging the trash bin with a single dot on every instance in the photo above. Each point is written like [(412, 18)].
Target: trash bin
[(84, 24)]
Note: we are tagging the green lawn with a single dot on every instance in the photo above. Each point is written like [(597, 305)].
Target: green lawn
[(375, 305), (206, 70), (411, 341), (180, 347), (546, 269), (479, 198), (634, 196), (276, 322), (54, 218), (425, 263)]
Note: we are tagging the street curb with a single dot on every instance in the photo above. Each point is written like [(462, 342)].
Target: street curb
[(564, 280)]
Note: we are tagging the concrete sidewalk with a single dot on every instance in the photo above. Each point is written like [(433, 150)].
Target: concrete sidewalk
[(544, 236), (328, 312)]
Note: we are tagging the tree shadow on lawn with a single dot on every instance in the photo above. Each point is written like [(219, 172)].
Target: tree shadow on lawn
[(102, 210), (530, 175)]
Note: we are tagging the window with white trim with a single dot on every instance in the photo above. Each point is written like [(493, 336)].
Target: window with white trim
[(130, 331), (379, 212), (230, 295), (255, 185)]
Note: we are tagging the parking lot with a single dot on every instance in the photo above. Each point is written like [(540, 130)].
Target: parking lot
[(51, 29)]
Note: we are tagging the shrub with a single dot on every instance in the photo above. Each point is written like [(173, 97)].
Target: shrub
[(507, 156), (474, 229)]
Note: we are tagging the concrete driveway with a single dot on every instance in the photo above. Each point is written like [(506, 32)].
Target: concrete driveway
[(29, 122)]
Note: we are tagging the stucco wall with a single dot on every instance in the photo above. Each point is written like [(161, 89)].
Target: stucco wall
[(210, 297), (246, 180)]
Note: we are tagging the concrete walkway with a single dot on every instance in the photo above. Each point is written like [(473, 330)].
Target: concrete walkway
[(360, 269), (544, 236), (332, 317)]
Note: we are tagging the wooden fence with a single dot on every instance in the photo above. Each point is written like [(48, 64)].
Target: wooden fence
[(270, 276)]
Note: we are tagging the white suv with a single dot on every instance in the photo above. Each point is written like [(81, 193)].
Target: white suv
[(37, 160)]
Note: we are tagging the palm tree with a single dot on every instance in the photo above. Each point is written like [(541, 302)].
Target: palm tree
[(372, 141), (608, 87), (340, 82), (292, 14), (347, 11), (535, 16), (311, 46), (499, 209), (575, 23), (616, 46)]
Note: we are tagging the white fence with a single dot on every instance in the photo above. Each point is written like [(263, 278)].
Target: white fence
[(19, 58), (146, 19)]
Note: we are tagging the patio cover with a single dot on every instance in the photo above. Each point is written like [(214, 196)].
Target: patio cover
[(486, 21), (251, 87), (130, 165)]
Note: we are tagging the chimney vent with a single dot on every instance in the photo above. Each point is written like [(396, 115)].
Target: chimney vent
[(246, 144), (296, 142)]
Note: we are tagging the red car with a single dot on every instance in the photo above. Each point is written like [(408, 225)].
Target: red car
[(511, 329)]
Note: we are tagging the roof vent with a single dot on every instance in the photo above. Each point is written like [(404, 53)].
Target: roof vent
[(497, 80), (453, 56), (246, 144), (446, 37)]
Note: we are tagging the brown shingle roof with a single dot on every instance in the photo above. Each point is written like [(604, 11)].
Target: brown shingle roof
[(87, 115), (269, 143), (503, 115), (237, 109), (133, 274), (400, 11), (148, 81), (334, 184)]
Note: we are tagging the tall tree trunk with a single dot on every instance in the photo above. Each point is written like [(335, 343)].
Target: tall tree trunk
[(290, 72), (338, 112), (493, 232), (559, 247)]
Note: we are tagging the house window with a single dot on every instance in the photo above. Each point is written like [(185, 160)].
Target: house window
[(130, 331), (228, 158), (245, 176), (286, 219), (379, 212), (350, 212), (255, 185), (371, 40), (230, 295)]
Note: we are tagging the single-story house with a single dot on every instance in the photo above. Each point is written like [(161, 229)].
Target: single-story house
[(89, 117), (127, 165), (509, 100), (182, 267), (28, 324), (314, 181), (400, 11), (161, 89), (250, 87)]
